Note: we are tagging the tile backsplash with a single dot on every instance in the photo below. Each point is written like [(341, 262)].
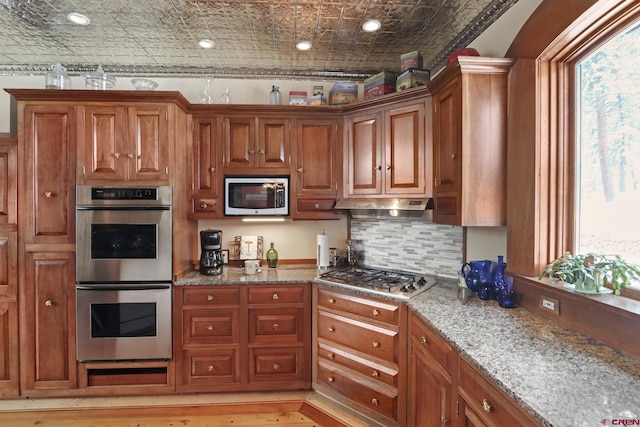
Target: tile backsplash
[(410, 245)]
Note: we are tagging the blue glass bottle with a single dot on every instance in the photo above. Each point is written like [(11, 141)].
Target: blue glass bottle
[(498, 277)]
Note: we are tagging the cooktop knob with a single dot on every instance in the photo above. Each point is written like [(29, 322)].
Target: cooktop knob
[(421, 282)]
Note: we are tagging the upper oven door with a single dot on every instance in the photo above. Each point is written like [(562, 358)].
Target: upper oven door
[(123, 244)]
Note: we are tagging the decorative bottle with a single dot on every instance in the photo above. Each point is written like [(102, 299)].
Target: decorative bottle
[(272, 257), (498, 277), (207, 95), (275, 97), (225, 98)]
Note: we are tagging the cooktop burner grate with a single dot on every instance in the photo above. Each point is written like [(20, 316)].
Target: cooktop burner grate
[(388, 282)]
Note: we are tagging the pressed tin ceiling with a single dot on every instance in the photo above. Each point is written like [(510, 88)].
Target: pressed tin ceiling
[(253, 39)]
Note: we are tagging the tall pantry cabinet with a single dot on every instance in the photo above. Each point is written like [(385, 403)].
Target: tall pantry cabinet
[(9, 371)]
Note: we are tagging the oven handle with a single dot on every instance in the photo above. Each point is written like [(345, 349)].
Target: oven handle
[(116, 287), (123, 208)]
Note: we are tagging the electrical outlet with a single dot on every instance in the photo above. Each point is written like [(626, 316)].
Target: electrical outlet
[(550, 304)]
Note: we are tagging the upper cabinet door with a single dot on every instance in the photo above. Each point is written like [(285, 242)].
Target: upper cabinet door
[(239, 142), (404, 165), (205, 159), (274, 147), (8, 182), (48, 173), (148, 138), (316, 157), (364, 159), (103, 150)]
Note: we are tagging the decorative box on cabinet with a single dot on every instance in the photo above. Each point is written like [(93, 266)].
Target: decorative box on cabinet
[(388, 149), (469, 142), (359, 357), (124, 142)]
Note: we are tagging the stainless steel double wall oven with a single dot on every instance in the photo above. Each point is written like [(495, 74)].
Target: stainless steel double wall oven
[(123, 273)]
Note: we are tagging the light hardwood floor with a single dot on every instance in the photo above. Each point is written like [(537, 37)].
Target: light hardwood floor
[(217, 410)]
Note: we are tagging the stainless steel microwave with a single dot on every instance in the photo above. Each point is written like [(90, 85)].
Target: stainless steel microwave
[(256, 195)]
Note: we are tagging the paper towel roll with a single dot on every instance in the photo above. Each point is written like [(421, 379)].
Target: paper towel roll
[(323, 250)]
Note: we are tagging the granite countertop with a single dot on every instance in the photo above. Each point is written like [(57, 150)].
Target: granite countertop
[(561, 377), (287, 273)]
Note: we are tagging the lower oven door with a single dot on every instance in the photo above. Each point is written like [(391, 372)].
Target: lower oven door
[(131, 322)]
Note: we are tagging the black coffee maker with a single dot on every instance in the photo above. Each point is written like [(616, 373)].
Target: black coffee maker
[(211, 255)]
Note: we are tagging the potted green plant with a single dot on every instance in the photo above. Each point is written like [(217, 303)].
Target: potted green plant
[(589, 273)]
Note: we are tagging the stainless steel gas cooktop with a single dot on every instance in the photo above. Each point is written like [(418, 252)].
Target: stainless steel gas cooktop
[(394, 283)]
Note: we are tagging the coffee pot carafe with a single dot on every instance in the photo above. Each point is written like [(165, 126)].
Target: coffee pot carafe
[(211, 252)]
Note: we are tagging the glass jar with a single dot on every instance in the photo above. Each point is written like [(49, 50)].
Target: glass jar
[(272, 257), (57, 78), (275, 97), (207, 92), (225, 98)]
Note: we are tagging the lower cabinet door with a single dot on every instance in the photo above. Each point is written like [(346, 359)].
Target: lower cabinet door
[(212, 366), (8, 349), (277, 364), (49, 327)]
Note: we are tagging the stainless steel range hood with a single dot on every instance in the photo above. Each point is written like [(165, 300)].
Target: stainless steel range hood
[(387, 208)]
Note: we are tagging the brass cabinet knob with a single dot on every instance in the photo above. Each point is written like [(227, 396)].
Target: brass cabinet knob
[(131, 156), (423, 340), (377, 167), (453, 156), (331, 355), (210, 328), (116, 155), (375, 402), (332, 301), (299, 169), (275, 296), (48, 303), (252, 151), (316, 205), (48, 194), (275, 326), (276, 366), (212, 170), (376, 344), (375, 374), (331, 379), (443, 421), (203, 206), (486, 406), (388, 167), (376, 312), (210, 368), (260, 151), (332, 329), (209, 297)]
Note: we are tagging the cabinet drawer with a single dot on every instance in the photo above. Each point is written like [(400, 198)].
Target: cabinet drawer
[(210, 327), (424, 337), (211, 297), (316, 205), (280, 326), (386, 373), (374, 309), (380, 399), (370, 339), (487, 401), (276, 364), (277, 295), (205, 206), (211, 366)]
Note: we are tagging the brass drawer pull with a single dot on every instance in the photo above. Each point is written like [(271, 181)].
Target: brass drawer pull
[(332, 329), (209, 297), (212, 170), (423, 340), (375, 374), (210, 368), (376, 312), (210, 328), (48, 303), (443, 421), (48, 194), (331, 355), (275, 326), (332, 301), (275, 296), (486, 406), (376, 344), (276, 366), (203, 206), (375, 402), (331, 379)]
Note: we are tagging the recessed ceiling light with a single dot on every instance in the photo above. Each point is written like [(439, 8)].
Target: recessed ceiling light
[(303, 45), (78, 18), (206, 43), (371, 25)]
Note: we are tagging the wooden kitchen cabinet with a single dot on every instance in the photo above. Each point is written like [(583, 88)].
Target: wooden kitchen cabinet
[(430, 390), (206, 170), (469, 109), (47, 324), (360, 358), (388, 149), (124, 143), (242, 338), (267, 148), (317, 168), (9, 361)]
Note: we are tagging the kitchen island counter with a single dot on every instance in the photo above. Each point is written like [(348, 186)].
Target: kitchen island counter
[(560, 377)]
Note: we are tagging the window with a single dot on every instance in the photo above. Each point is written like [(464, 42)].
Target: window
[(608, 148)]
